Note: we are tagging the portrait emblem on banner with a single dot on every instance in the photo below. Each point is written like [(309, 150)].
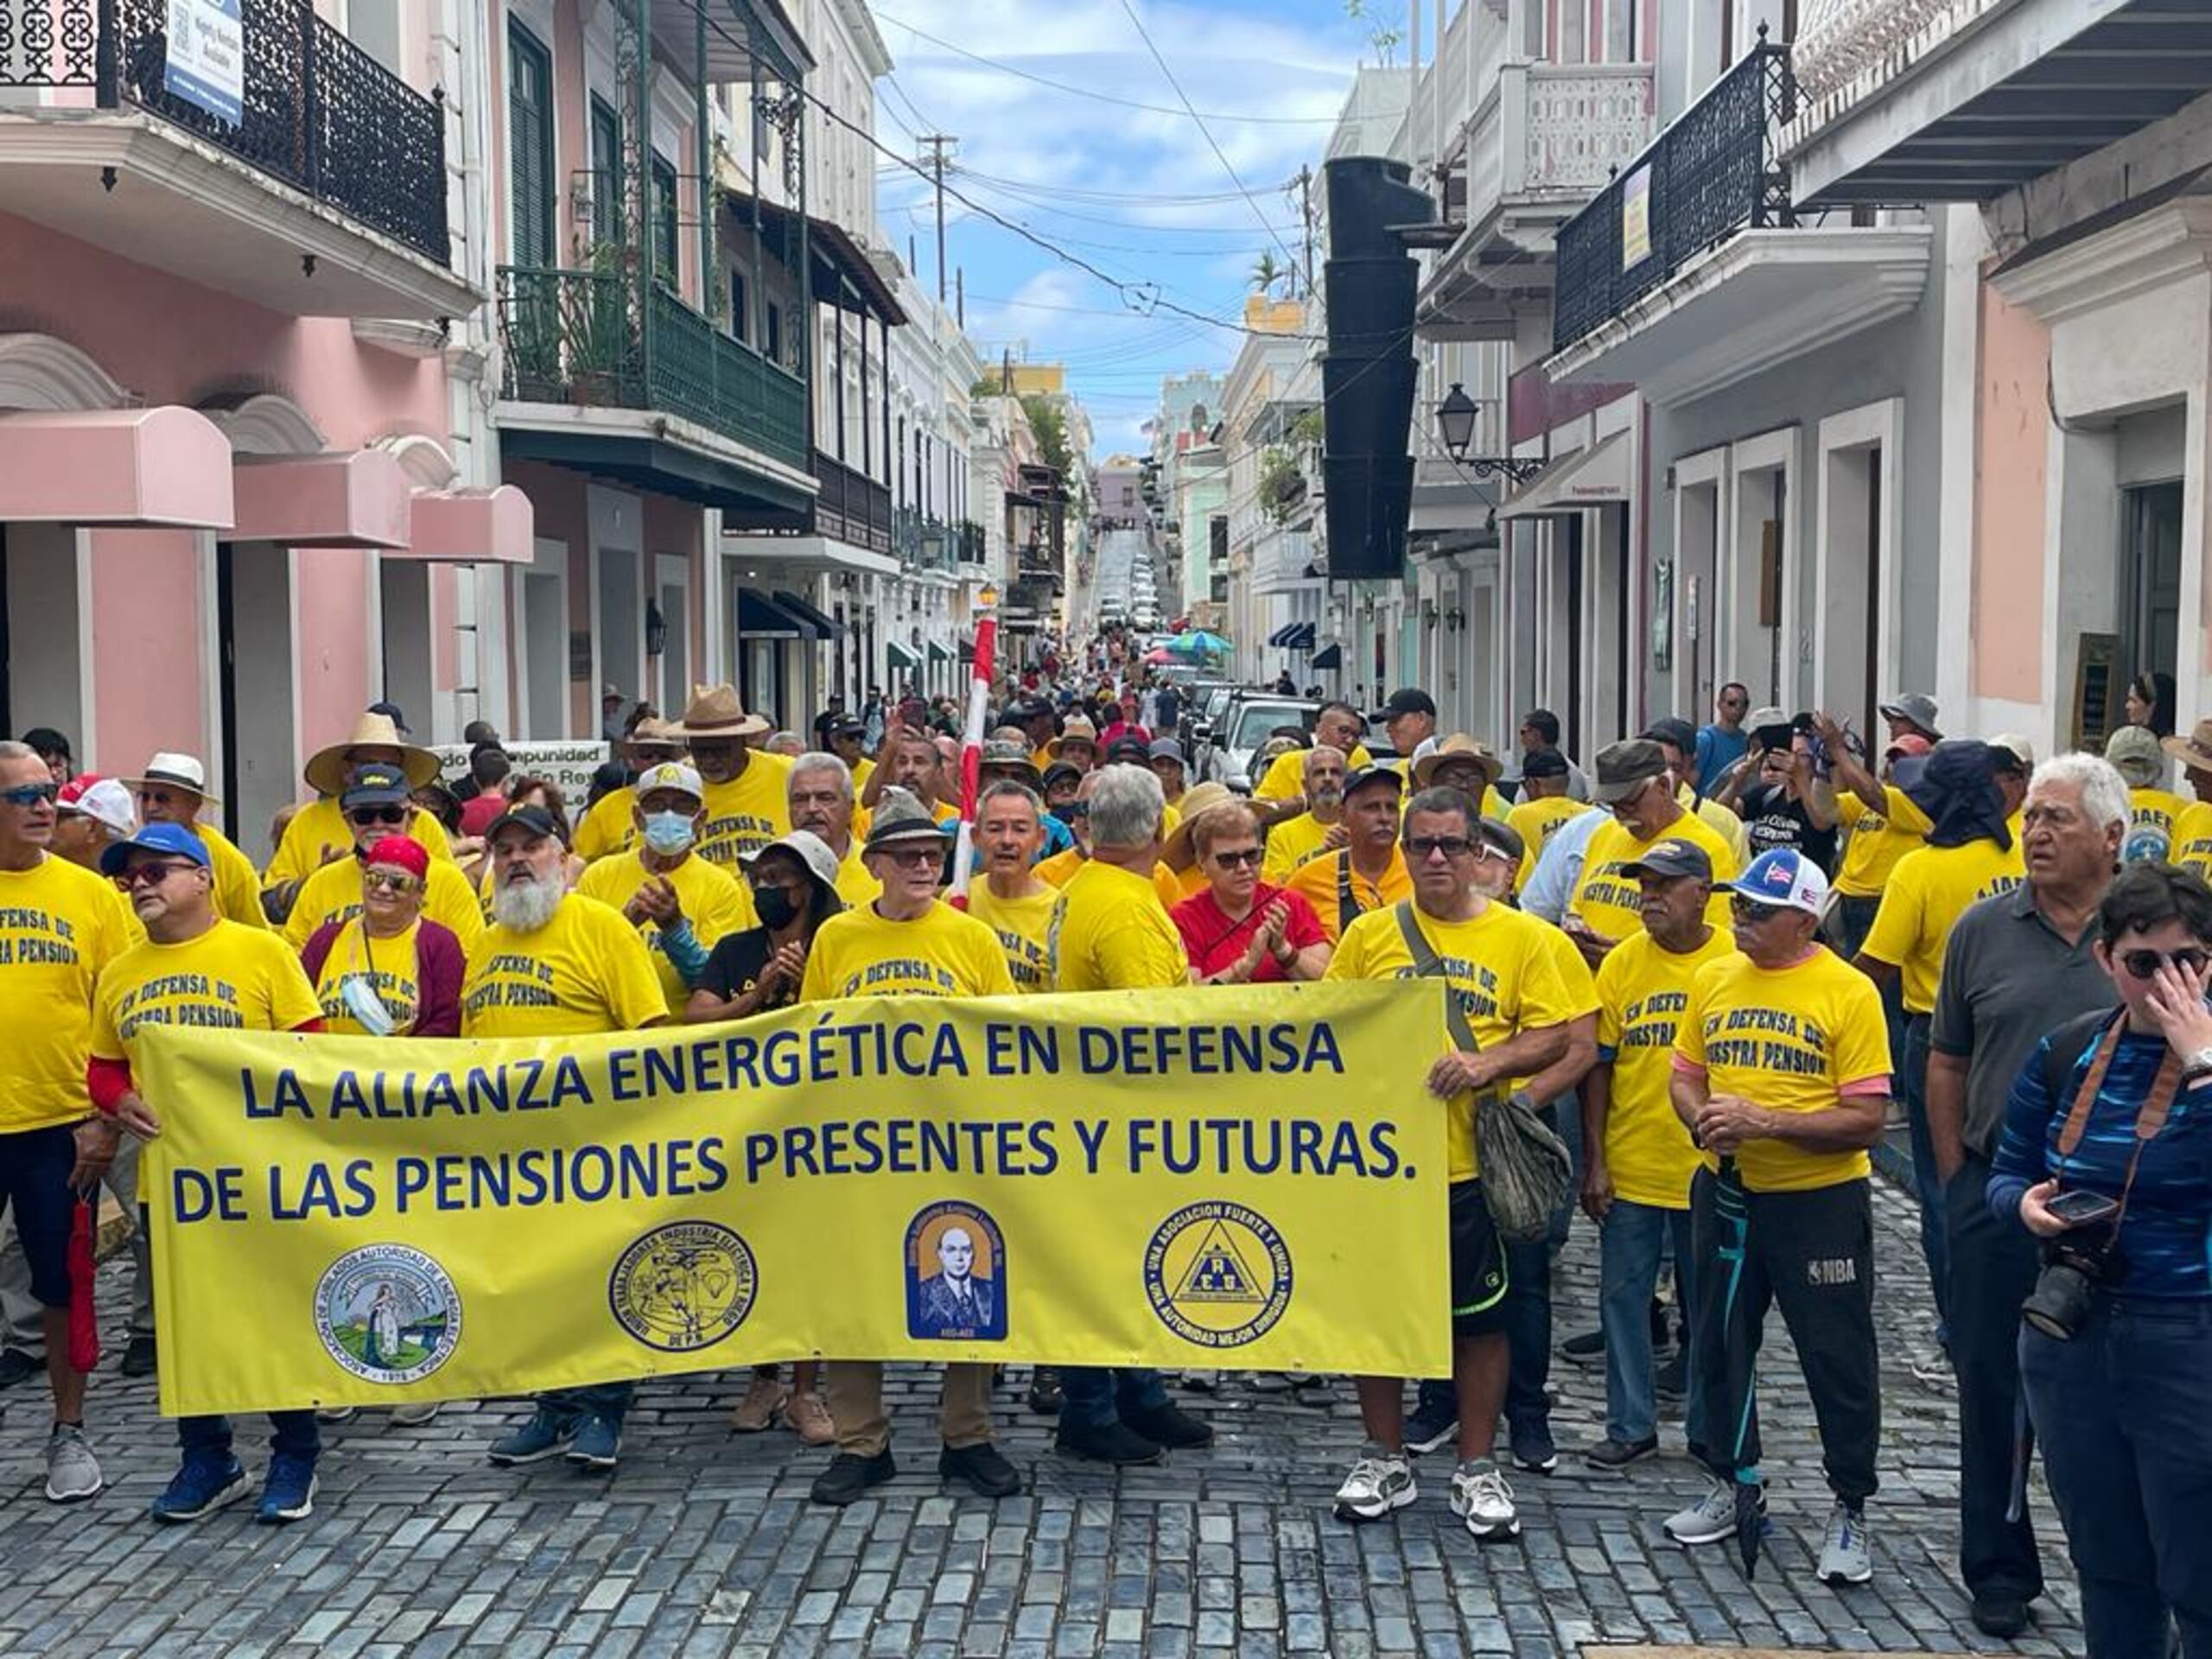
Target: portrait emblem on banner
[(956, 1275), (387, 1313), (683, 1287), (1217, 1273)]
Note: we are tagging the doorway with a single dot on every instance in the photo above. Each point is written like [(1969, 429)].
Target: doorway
[(256, 694), (42, 632), (542, 656), (674, 600), (2150, 581), (403, 591)]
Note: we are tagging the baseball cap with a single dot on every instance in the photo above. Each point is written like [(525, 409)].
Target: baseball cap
[(671, 775), (376, 785), (102, 799), (1912, 743), (1915, 706), (1129, 748), (1623, 768), (1669, 730), (1783, 877), (2011, 752), (2136, 755), (536, 819), (1411, 700), (173, 839), (1502, 838), (1543, 763), (1360, 778), (1062, 770), (1671, 858), (1165, 749)]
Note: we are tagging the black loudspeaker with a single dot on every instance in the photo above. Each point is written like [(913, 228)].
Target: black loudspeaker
[(1367, 371)]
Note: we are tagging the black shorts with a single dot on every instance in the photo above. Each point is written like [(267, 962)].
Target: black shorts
[(1478, 1272), (35, 1169)]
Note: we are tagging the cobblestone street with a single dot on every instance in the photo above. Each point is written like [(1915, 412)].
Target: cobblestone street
[(704, 1542)]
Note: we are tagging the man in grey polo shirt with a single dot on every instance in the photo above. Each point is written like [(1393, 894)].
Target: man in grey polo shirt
[(2016, 967)]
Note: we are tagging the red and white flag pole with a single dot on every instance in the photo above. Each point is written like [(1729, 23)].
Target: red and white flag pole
[(971, 753)]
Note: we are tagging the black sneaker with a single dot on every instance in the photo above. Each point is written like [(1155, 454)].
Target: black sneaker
[(1618, 1454), (1532, 1447), (2003, 1617), (1672, 1381), (1112, 1442), (15, 1365), (1430, 1427), (1045, 1391), (1171, 1426), (1588, 1349), (141, 1357), (984, 1467), (849, 1476)]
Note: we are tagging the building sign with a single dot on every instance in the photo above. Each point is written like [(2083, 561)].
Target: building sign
[(206, 57), (1635, 217)]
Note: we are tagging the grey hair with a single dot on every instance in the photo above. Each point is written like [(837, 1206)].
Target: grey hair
[(2104, 791), (1002, 787), (823, 760), (1126, 805), (11, 750), (1442, 797), (1320, 749)]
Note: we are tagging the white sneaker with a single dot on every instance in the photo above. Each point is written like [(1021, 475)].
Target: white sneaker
[(413, 1416), (1709, 1520), (72, 1470), (1379, 1483), (1844, 1558), (334, 1413), (1484, 1498)]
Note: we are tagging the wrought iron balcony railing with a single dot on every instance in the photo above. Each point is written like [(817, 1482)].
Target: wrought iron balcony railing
[(576, 337), (973, 549), (924, 542), (317, 112), (852, 507), (1715, 170)]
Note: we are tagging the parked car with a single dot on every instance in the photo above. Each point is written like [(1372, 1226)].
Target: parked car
[(1246, 723)]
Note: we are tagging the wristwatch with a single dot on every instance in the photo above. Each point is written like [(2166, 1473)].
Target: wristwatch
[(2196, 1067)]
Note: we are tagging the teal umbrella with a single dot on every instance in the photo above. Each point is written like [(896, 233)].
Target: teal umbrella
[(1199, 643)]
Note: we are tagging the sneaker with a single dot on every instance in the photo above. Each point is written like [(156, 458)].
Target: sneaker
[(1045, 1391), (1430, 1427), (141, 1357), (2003, 1617), (1202, 1382), (1171, 1426), (1844, 1555), (335, 1414), (288, 1493), (15, 1365), (763, 1400), (72, 1470), (849, 1476), (983, 1467), (417, 1415), (1709, 1520), (597, 1442), (1109, 1442), (1588, 1349), (1379, 1482), (1482, 1498), (1533, 1448), (810, 1419), (545, 1435), (201, 1487), (1610, 1453), (1672, 1380)]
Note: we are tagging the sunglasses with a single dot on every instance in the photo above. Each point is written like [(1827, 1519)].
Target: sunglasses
[(1237, 858), (2145, 964), (388, 881), (150, 874), (913, 858), (30, 795), (377, 814), (1450, 846), (1751, 909)]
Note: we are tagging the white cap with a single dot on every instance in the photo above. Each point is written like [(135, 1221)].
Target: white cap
[(108, 803), (671, 774), (1783, 876)]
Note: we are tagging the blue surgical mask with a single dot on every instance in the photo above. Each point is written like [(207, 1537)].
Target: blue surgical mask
[(668, 833)]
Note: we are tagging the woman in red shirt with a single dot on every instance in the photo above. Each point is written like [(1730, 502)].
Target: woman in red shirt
[(1239, 931)]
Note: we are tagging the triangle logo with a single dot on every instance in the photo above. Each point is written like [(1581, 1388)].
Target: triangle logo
[(1219, 1273)]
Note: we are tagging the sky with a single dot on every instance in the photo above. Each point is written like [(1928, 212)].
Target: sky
[(1138, 193)]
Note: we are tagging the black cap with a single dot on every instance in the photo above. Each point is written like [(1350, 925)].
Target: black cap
[(1543, 763), (1129, 748), (1060, 769), (1410, 700), (375, 784), (849, 726), (536, 819), (1671, 858), (1675, 730), (1360, 778)]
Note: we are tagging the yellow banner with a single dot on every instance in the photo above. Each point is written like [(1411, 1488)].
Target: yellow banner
[(1248, 1177)]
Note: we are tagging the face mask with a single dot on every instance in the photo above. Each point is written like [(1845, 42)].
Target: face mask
[(1065, 812), (668, 833), (775, 906), (365, 1006)]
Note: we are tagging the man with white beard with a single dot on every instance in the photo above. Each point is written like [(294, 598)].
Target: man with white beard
[(555, 963)]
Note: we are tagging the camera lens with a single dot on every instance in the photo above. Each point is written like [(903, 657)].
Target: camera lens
[(2059, 1303)]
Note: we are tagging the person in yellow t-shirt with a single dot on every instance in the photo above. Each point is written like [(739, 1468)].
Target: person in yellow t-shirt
[(1509, 1011), (1637, 1156), (681, 905), (1060, 868), (748, 804), (1782, 1072), (820, 796), (2192, 847), (1369, 872), (609, 824), (1545, 805), (847, 741), (1880, 820), (555, 963), (1321, 828), (375, 805), (173, 789), (318, 834), (1634, 783), (1677, 741), (1462, 763), (2136, 755), (389, 971), (1011, 901), (1338, 726), (194, 968)]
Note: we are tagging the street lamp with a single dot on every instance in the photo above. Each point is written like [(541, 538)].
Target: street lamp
[(1455, 419), (988, 596)]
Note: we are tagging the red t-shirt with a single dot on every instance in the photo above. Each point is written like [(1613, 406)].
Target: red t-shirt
[(477, 812), (1213, 942)]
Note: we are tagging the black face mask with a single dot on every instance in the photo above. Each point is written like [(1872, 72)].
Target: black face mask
[(1065, 812), (775, 906)]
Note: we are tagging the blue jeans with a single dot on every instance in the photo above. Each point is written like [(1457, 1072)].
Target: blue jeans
[(1634, 1238), (599, 1400), (1928, 1185), (1854, 921), (1096, 1395), (2124, 1416), (294, 1435)]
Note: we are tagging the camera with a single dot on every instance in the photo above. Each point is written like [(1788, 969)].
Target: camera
[(2073, 1266)]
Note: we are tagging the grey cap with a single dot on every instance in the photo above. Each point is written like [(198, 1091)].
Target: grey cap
[(1167, 748), (2138, 756), (1623, 768), (1916, 706)]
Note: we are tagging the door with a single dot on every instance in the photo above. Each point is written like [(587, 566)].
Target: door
[(255, 655), (2150, 583)]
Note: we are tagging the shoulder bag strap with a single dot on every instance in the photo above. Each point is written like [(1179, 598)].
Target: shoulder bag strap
[(1427, 965)]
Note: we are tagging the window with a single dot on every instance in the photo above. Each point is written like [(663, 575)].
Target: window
[(373, 25), (606, 204), (775, 342), (740, 308), (530, 133), (663, 231)]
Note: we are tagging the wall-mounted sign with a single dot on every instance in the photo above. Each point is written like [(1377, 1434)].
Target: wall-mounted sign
[(1635, 217), (206, 57)]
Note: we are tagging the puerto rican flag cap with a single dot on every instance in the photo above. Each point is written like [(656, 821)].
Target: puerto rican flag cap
[(1786, 877)]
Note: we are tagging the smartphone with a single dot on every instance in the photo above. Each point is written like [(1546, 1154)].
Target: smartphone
[(2084, 1209)]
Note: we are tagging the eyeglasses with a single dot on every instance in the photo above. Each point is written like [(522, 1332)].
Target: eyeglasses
[(1751, 909), (1421, 847), (151, 874), (387, 881), (377, 814), (1237, 858), (913, 858), (2145, 964), (27, 796)]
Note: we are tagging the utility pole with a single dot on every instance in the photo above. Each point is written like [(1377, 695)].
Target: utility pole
[(1305, 218), (935, 143)]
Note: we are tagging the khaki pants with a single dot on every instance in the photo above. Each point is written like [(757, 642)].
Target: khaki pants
[(853, 1389)]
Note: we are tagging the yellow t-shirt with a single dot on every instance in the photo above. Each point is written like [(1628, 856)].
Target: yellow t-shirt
[(1927, 893), (585, 970), (1285, 779), (855, 886), (238, 885), (1290, 843), (319, 830), (1642, 991), (1719, 819), (1610, 902), (1318, 880), (608, 826), (714, 902), (1115, 935), (2151, 814), (1059, 869), (1877, 840), (1791, 1040), (1023, 927), (391, 966), (1536, 823), (864, 769), (333, 894), (60, 926), (941, 952), (2193, 837), (1505, 975), (748, 811)]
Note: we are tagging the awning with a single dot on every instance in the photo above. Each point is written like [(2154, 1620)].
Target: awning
[(497, 526), (825, 627), (1282, 634), (1596, 477), (759, 617), (166, 467), (938, 653), (346, 498), (902, 655), (1293, 635), (1330, 655), (966, 648)]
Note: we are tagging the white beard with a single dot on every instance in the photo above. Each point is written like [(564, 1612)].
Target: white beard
[(525, 906)]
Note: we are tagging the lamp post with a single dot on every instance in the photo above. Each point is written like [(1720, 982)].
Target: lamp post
[(1455, 423)]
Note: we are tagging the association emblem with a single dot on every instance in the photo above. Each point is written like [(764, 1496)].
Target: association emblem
[(387, 1313), (956, 1275), (1217, 1275), (683, 1287)]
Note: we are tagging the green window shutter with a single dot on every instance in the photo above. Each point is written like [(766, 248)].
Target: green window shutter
[(530, 107)]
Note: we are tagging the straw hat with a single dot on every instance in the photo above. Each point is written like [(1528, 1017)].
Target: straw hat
[(1074, 729), (327, 770), (714, 713), (1458, 746), (169, 770), (1198, 800)]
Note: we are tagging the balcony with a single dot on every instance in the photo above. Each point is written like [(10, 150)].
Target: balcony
[(1688, 273), (321, 192), (852, 508)]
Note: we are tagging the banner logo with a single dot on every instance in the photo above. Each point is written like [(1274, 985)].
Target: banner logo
[(683, 1287), (1217, 1275), (387, 1313), (956, 1275)]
